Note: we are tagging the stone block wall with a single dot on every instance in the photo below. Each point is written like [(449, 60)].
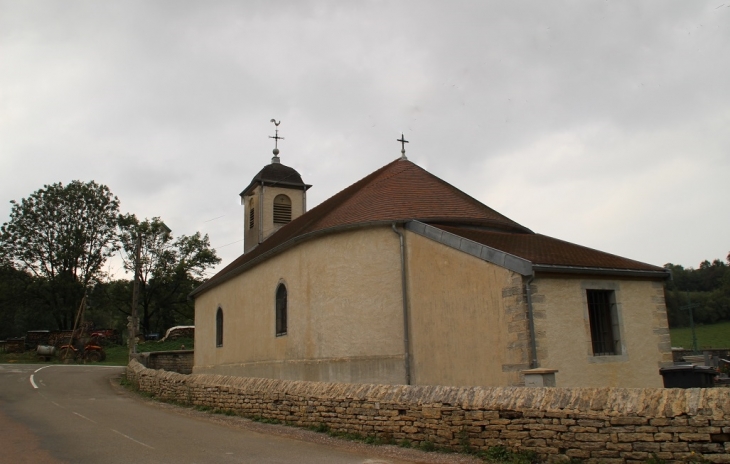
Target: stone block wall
[(606, 425), (180, 361)]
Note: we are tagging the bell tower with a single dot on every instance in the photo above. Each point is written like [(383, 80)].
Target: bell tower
[(276, 196)]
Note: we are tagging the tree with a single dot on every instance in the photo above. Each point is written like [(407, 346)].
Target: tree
[(707, 288), (169, 269), (62, 235)]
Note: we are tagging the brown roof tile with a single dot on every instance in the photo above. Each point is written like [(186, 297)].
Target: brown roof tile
[(541, 249), (401, 191)]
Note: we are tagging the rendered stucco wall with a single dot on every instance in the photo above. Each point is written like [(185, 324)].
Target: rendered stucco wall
[(467, 318), (564, 337), (344, 314)]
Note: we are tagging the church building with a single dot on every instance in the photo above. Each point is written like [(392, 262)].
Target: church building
[(401, 278)]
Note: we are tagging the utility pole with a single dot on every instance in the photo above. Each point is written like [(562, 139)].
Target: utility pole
[(135, 297), (690, 307)]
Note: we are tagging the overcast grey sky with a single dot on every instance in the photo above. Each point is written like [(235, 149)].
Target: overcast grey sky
[(602, 123)]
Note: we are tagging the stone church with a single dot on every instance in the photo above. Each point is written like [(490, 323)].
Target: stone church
[(401, 278)]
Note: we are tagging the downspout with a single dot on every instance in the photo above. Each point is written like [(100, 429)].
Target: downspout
[(531, 321), (406, 340)]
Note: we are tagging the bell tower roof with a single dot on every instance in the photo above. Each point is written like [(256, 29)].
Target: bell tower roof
[(279, 175), (276, 174)]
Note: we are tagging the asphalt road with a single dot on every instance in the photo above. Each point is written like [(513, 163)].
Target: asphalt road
[(73, 414)]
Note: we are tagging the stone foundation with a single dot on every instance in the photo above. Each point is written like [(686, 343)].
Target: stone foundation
[(606, 425)]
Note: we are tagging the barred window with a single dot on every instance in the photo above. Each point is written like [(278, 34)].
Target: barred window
[(282, 209), (281, 310), (604, 322)]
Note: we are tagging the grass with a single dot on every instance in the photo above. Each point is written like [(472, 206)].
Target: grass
[(708, 336), (116, 355)]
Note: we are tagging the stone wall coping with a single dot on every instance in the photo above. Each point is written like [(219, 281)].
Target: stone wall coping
[(605, 401), (159, 353)]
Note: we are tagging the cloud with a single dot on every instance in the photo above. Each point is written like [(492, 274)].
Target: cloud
[(598, 122)]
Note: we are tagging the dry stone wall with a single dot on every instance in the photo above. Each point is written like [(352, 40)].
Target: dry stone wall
[(607, 425), (180, 361)]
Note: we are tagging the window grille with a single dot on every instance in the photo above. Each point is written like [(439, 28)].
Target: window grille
[(282, 209), (219, 327), (281, 301), (604, 322)]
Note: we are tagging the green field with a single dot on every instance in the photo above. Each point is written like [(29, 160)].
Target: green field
[(116, 355), (708, 336)]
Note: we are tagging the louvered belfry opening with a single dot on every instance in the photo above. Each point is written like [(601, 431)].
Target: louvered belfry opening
[(282, 209), (603, 320), (251, 214)]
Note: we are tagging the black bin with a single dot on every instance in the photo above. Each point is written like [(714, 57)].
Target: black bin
[(688, 376)]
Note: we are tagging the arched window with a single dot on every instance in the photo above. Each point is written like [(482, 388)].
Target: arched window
[(281, 310), (282, 209), (219, 327), (251, 214)]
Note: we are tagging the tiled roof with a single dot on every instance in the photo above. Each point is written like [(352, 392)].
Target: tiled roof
[(277, 174), (541, 249), (402, 191)]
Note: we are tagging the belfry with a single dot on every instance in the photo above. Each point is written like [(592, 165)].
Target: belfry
[(276, 196)]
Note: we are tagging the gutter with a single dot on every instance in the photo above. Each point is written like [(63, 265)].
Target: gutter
[(406, 342), (551, 269)]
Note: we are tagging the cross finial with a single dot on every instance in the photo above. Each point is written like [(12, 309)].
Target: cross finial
[(403, 143), (276, 138)]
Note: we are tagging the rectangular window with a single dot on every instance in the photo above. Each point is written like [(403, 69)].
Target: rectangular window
[(604, 322)]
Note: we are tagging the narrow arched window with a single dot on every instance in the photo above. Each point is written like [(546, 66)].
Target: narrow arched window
[(282, 209), (251, 214), (219, 327), (281, 310)]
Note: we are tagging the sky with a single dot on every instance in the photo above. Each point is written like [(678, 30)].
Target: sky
[(603, 123)]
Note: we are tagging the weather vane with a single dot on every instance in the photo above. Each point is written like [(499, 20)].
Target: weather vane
[(276, 137), (403, 143)]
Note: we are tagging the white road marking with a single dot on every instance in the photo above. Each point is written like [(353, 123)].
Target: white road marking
[(83, 417), (127, 436), (32, 381)]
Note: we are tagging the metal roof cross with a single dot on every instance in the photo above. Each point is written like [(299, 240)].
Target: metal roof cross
[(276, 136), (403, 142)]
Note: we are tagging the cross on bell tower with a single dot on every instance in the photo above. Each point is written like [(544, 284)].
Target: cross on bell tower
[(276, 138)]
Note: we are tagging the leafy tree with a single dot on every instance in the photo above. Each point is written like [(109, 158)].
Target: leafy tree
[(707, 288), (20, 310), (62, 235), (169, 269)]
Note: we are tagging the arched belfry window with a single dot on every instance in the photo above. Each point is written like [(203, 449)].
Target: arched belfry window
[(282, 209), (219, 327), (281, 310), (251, 214)]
